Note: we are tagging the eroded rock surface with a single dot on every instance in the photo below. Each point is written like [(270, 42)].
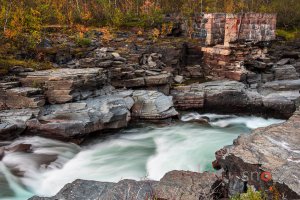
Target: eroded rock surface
[(274, 149), (278, 98), (152, 105), (177, 185), (111, 109)]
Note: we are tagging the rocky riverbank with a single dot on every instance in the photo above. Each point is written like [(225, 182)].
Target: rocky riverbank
[(102, 87)]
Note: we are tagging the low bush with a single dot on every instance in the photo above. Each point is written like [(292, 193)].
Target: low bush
[(250, 195), (288, 34)]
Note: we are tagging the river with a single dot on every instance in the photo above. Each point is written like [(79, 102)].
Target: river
[(141, 151)]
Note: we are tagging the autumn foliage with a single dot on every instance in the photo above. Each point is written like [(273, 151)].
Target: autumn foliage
[(23, 20)]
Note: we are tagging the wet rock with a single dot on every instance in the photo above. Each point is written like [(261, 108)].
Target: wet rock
[(274, 150), (152, 105), (19, 148), (2, 153)]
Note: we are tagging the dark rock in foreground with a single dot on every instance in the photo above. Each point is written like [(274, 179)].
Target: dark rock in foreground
[(175, 185), (269, 156)]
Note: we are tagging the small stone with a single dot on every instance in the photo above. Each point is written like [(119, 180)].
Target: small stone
[(178, 79)]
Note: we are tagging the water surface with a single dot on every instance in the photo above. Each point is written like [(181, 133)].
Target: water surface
[(139, 152)]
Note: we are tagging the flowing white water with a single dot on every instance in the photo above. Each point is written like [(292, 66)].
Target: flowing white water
[(145, 151)]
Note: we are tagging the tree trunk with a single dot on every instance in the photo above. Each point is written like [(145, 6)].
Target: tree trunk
[(7, 12)]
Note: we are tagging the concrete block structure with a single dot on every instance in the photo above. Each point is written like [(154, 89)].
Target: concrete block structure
[(225, 28)]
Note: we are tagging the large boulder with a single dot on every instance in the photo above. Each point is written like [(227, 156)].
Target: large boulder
[(277, 98), (78, 119), (267, 157), (152, 105), (218, 96), (177, 185)]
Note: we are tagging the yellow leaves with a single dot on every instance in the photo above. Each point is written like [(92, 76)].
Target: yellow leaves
[(155, 34), (81, 28), (9, 34), (107, 34), (166, 28), (139, 33)]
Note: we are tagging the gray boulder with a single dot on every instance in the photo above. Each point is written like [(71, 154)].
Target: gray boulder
[(152, 105), (78, 119), (273, 150)]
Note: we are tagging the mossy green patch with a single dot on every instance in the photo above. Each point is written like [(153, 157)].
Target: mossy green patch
[(288, 34)]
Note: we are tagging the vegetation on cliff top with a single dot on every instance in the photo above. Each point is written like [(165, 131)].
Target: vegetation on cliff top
[(26, 18)]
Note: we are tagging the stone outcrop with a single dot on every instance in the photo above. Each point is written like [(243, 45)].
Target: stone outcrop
[(177, 185), (268, 157), (152, 105), (72, 120), (278, 98), (66, 85), (110, 110)]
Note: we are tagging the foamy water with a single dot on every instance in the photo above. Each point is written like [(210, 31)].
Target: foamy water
[(135, 153)]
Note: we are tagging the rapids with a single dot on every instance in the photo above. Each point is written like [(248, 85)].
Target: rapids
[(141, 151)]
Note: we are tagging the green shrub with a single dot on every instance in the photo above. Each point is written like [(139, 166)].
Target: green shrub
[(288, 34), (83, 42), (250, 195)]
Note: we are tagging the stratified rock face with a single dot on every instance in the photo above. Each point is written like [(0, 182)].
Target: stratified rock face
[(71, 120), (216, 95), (273, 149), (67, 85), (24, 97), (175, 185), (152, 105), (14, 97), (188, 97), (278, 98)]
